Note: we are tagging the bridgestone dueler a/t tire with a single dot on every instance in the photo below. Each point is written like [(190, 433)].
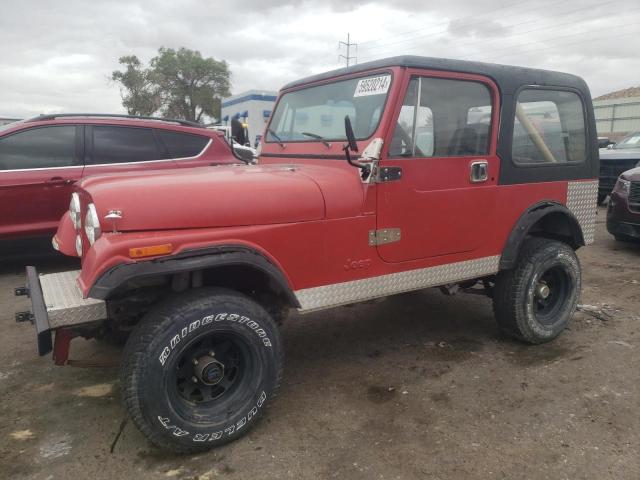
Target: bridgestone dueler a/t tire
[(175, 326), (513, 298)]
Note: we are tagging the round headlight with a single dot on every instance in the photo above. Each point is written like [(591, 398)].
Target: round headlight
[(79, 245), (74, 210), (92, 224)]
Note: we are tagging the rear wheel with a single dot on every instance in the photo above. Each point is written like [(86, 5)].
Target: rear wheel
[(199, 370), (534, 301)]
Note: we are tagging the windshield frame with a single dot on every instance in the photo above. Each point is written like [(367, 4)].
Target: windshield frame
[(370, 73), (623, 146)]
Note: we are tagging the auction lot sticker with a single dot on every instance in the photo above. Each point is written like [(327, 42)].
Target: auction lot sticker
[(372, 86)]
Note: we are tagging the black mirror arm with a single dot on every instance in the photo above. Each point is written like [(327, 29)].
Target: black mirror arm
[(353, 163), (365, 167)]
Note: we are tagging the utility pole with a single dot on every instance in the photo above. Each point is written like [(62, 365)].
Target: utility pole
[(348, 44)]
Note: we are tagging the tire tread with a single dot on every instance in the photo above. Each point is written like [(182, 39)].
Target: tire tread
[(136, 350), (511, 283)]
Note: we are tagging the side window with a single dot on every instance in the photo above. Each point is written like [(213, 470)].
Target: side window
[(443, 118), (42, 147), (549, 127), (123, 144), (182, 145)]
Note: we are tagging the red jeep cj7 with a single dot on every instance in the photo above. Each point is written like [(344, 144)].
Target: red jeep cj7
[(377, 179)]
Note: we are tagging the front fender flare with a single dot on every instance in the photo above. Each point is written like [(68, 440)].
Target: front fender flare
[(191, 260)]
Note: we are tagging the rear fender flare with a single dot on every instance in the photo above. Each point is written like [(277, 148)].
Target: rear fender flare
[(535, 214)]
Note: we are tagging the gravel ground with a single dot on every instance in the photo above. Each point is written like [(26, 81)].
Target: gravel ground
[(414, 386)]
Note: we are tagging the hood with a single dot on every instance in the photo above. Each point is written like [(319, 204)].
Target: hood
[(620, 154), (232, 195), (633, 174)]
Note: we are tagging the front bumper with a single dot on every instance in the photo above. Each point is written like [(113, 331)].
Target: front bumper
[(56, 302), (623, 229), (621, 220)]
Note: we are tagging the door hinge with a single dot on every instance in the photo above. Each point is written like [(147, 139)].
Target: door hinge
[(386, 235), (390, 174)]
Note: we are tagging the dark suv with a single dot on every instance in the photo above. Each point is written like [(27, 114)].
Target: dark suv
[(43, 157), (616, 159), (623, 212)]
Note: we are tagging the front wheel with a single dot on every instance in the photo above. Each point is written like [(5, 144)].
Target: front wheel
[(199, 369), (534, 301)]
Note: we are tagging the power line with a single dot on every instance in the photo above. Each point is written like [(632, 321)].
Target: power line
[(571, 22), (537, 48), (348, 44), (441, 23), (475, 42), (444, 26), (606, 37)]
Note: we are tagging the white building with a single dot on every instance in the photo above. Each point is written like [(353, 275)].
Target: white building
[(252, 107), (617, 116)]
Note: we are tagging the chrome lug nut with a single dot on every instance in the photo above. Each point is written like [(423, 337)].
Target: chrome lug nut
[(542, 291)]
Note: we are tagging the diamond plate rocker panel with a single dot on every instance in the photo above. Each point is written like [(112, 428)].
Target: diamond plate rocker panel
[(317, 298), (582, 201), (64, 301)]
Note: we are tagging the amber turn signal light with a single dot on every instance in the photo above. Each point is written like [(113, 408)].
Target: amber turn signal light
[(150, 251)]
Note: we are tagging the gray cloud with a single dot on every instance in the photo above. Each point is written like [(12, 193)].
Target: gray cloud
[(59, 56)]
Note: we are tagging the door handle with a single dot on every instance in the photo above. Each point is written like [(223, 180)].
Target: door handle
[(58, 181), (479, 171)]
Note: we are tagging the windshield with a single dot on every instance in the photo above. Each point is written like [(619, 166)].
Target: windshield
[(318, 112), (630, 141)]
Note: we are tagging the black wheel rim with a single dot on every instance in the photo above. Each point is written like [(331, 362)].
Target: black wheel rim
[(221, 377), (550, 294)]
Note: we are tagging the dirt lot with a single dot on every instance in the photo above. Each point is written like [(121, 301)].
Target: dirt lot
[(416, 386)]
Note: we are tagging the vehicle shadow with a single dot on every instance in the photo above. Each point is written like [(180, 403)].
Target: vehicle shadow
[(630, 247), (17, 254)]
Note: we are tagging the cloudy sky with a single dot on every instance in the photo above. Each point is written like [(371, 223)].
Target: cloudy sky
[(58, 56)]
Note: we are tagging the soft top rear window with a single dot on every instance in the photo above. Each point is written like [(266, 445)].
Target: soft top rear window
[(549, 128)]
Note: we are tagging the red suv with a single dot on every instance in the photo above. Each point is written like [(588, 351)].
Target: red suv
[(42, 158)]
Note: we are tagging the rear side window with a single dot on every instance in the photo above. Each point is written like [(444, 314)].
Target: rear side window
[(123, 144), (549, 128), (43, 147), (443, 118), (182, 145)]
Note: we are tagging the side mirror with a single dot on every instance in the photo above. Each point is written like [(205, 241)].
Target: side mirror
[(351, 138)]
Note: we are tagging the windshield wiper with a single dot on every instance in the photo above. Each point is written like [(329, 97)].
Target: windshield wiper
[(315, 135), (276, 137)]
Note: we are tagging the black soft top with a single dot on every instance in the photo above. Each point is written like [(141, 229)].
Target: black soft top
[(508, 78)]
